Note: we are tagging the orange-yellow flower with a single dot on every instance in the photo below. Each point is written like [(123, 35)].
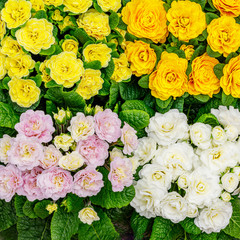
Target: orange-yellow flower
[(146, 19), (186, 20), (170, 77), (227, 7)]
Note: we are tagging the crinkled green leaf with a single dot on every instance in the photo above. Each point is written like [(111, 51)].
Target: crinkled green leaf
[(109, 69), (202, 98), (102, 229), (93, 65), (113, 20), (81, 35), (211, 53), (50, 108), (64, 224), (8, 117), (2, 96), (210, 16), (7, 215), (19, 202), (144, 81), (204, 236), (130, 91), (8, 131), (149, 100), (138, 119), (28, 209), (227, 100), (163, 104), (178, 104), (122, 25), (33, 229), (198, 51), (218, 70), (224, 236), (208, 118), (2, 4), (37, 79), (40, 14), (189, 226), (164, 229), (9, 234), (73, 203), (113, 96), (106, 198), (40, 208), (4, 83), (104, 91), (49, 51), (230, 56)]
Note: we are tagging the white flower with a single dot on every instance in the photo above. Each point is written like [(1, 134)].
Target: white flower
[(146, 150), (219, 135), (168, 128), (236, 170), (200, 135), (147, 198), (227, 117), (5, 145), (88, 215), (71, 161), (178, 158), (230, 181), (217, 159), (174, 207), (135, 163), (231, 132), (63, 141), (215, 217), (116, 153), (226, 197), (183, 181), (192, 210), (81, 127), (157, 174), (203, 187)]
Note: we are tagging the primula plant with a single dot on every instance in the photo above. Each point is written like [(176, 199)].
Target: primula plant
[(119, 119)]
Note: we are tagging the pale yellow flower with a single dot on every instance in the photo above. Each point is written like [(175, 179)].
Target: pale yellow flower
[(88, 215), (66, 23), (2, 28), (45, 77), (3, 69), (10, 47), (77, 6), (37, 5), (107, 5), (55, 3), (70, 45), (57, 16), (51, 208)]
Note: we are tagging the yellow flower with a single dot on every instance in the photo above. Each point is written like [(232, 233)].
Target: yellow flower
[(19, 65), (107, 5), (3, 70), (23, 91), (57, 16), (16, 12), (10, 47), (203, 78), (70, 45), (227, 7), (45, 77), (63, 141), (100, 52), (65, 68), (36, 35), (224, 35), (77, 6), (230, 81), (51, 208), (66, 23), (186, 20), (189, 50), (141, 57), (55, 3), (2, 28), (121, 69), (71, 161), (170, 77), (37, 5), (90, 84), (95, 24), (87, 215), (146, 19)]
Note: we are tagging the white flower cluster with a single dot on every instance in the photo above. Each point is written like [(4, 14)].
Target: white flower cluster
[(189, 170)]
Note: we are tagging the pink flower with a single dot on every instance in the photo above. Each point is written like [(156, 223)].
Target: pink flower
[(129, 139), (55, 183), (36, 124), (87, 182), (51, 157), (10, 181), (94, 150), (107, 125), (120, 174), (25, 152), (29, 187)]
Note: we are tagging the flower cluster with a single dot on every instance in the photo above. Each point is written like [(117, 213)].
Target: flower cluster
[(39, 168), (189, 170)]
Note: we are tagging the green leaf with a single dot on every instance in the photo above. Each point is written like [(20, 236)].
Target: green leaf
[(29, 229), (19, 201), (97, 7), (109, 69), (113, 96), (230, 56), (164, 229), (218, 70), (130, 91), (2, 96), (211, 53), (51, 108), (201, 49), (130, 37), (93, 65), (113, 20), (227, 100), (138, 105), (122, 25), (2, 4), (7, 215), (104, 91), (37, 79), (139, 225), (73, 203), (144, 81), (189, 226), (52, 84), (210, 16), (158, 50), (8, 117), (9, 234), (234, 225), (64, 224), (102, 229), (4, 83), (81, 35), (178, 104), (8, 131), (224, 236), (106, 198), (28, 209), (40, 208), (208, 118), (40, 14), (202, 98), (138, 119), (150, 100), (204, 236), (49, 51), (163, 104)]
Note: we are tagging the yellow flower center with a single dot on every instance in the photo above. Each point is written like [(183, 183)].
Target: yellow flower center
[(58, 181), (224, 36), (171, 77), (183, 22)]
